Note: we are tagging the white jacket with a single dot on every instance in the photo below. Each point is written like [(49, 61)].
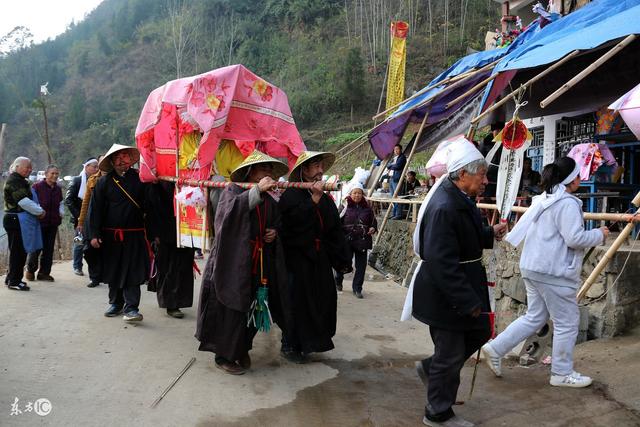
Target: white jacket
[(555, 242)]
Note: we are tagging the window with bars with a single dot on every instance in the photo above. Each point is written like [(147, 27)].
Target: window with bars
[(573, 130)]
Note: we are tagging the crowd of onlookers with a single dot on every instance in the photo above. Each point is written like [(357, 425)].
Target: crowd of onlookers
[(34, 208)]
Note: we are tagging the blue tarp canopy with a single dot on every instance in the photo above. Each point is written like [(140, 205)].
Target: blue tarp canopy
[(587, 28), (591, 26)]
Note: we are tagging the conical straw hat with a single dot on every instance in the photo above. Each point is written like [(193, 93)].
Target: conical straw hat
[(257, 157), (306, 156), (105, 164)]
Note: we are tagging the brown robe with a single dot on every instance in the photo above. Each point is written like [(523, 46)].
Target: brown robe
[(230, 282)]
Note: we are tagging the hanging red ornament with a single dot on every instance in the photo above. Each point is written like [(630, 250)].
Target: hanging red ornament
[(514, 134)]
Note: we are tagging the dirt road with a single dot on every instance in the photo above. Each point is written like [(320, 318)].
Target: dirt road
[(55, 344)]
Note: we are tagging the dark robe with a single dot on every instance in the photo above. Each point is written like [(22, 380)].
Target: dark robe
[(230, 280), (114, 218), (314, 244), (174, 266)]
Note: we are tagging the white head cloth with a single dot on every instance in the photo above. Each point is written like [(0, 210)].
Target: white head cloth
[(462, 153), (83, 178), (356, 185), (538, 205)]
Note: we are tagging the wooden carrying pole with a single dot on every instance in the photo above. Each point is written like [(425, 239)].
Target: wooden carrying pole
[(452, 80), (622, 237), (584, 73), (404, 171), (526, 84), (334, 186)]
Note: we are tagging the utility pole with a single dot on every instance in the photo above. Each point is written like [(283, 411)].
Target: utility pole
[(43, 93), (2, 129)]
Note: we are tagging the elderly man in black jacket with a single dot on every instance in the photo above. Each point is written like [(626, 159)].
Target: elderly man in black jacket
[(450, 288), (73, 201)]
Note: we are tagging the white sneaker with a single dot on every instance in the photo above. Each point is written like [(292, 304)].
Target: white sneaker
[(572, 380), (492, 360)]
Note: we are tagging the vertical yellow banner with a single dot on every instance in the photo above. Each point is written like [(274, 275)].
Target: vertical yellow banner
[(397, 61)]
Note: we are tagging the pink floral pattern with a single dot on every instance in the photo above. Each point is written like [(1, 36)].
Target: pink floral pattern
[(208, 95)]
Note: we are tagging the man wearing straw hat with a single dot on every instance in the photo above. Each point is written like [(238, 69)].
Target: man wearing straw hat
[(449, 288), (314, 244), (116, 225), (245, 272)]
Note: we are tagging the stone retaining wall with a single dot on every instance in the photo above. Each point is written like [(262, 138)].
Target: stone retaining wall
[(610, 309)]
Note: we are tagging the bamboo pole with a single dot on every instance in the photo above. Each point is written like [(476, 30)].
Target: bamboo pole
[(379, 172), (452, 80), (352, 150), (471, 91), (334, 186), (527, 84), (584, 73), (404, 171), (615, 217), (166, 390), (622, 237), (352, 142)]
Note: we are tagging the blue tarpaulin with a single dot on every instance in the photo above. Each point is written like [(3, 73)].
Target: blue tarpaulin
[(587, 28), (593, 25)]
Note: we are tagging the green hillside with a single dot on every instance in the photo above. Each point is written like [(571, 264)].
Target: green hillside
[(329, 56)]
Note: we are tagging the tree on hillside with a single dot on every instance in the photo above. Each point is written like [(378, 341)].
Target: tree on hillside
[(354, 79), (183, 26)]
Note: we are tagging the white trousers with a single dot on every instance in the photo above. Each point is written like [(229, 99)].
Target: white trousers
[(544, 301)]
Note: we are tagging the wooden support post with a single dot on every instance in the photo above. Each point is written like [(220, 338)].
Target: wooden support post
[(527, 84), (584, 73), (622, 237), (404, 171), (379, 172)]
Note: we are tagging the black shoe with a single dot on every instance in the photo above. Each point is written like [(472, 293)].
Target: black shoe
[(358, 294), (19, 287), (93, 284), (294, 356), (339, 288), (229, 367), (175, 312), (113, 311)]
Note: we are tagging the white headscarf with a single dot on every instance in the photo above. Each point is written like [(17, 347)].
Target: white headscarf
[(538, 205), (83, 178), (462, 153)]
